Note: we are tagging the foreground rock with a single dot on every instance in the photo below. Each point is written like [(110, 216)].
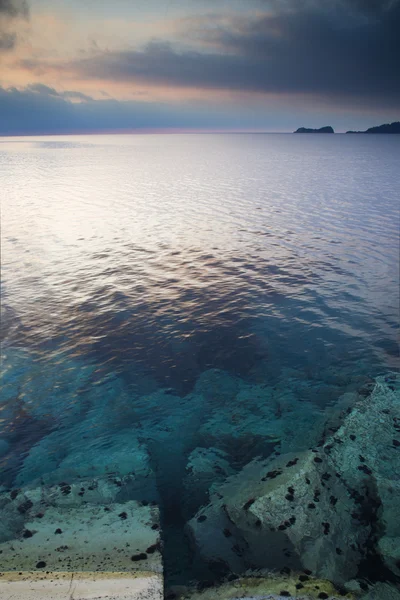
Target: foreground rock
[(324, 510), (296, 586), (75, 527)]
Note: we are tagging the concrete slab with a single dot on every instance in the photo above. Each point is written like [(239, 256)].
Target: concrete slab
[(141, 585)]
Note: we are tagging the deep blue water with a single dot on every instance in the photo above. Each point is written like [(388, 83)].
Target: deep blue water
[(133, 267)]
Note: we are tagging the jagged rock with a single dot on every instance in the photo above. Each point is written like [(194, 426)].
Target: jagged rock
[(289, 512), (366, 450), (320, 509)]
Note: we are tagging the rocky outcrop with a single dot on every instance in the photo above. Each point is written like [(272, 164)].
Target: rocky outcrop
[(386, 128), (325, 510), (327, 129)]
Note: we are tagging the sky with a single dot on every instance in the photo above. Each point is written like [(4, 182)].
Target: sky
[(80, 66)]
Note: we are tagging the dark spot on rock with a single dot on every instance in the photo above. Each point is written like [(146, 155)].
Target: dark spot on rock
[(361, 458), (396, 443), (107, 509), (308, 481), (25, 506), (40, 516), (141, 556), (317, 459), (155, 527), (123, 516), (299, 586), (151, 549), (227, 533), (304, 578), (289, 497), (292, 463), (323, 595), (352, 437), (326, 527), (365, 469), (290, 489), (258, 523), (41, 564), (333, 500), (282, 527), (247, 505), (58, 531), (284, 593), (285, 571), (272, 474), (27, 533), (201, 518), (65, 489), (326, 476), (311, 505), (307, 571), (292, 520), (14, 494), (339, 551)]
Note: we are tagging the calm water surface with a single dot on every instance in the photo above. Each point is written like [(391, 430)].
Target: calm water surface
[(134, 265)]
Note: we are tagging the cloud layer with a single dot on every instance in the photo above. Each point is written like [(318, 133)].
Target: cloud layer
[(9, 11), (338, 54), (336, 50)]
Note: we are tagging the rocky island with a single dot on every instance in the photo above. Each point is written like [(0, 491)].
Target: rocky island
[(327, 129), (386, 128)]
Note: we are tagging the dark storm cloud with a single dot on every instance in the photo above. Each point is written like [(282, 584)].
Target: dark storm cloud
[(9, 11), (14, 8), (345, 49)]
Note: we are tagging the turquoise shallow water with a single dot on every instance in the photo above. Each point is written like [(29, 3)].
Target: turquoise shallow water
[(175, 306)]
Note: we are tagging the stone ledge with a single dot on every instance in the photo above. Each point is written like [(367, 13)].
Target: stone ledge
[(32, 585)]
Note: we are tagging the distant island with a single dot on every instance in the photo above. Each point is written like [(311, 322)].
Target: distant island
[(386, 128), (328, 129)]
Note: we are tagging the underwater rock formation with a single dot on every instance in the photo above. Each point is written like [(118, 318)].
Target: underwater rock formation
[(77, 527), (325, 509)]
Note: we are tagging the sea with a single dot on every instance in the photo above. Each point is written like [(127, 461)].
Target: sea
[(149, 280)]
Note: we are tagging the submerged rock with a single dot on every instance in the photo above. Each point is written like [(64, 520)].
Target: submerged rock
[(62, 529), (288, 512), (324, 509)]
